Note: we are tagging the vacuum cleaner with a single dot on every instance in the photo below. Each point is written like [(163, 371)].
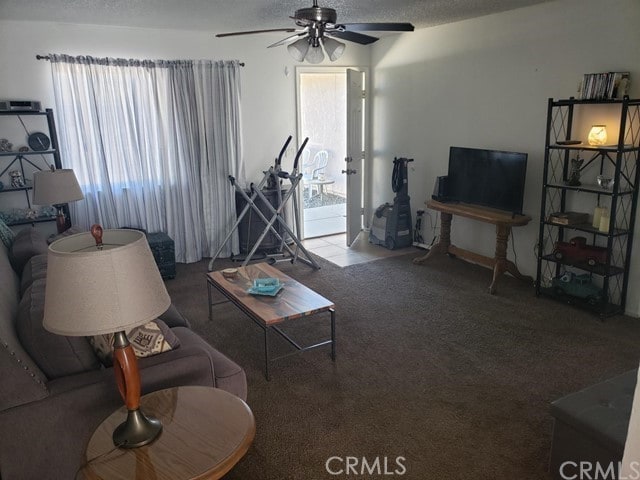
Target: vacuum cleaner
[(391, 225)]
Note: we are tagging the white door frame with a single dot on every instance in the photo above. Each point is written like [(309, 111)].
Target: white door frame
[(366, 183)]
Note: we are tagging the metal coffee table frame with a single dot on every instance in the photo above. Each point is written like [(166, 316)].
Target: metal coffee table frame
[(265, 327)]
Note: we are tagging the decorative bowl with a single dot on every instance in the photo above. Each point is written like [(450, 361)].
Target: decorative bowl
[(604, 181), (266, 284)]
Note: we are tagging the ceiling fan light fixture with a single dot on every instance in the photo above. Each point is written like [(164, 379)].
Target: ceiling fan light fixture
[(314, 23), (298, 49), (315, 55), (334, 48)]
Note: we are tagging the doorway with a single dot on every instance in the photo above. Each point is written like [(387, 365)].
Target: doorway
[(322, 117)]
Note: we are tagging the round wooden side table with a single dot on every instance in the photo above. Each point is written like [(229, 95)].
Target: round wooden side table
[(206, 431)]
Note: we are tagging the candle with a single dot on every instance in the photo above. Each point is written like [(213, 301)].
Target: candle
[(604, 222), (597, 215)]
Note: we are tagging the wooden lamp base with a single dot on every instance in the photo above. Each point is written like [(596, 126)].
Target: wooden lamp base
[(138, 429)]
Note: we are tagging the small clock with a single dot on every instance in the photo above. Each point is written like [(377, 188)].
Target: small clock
[(38, 141)]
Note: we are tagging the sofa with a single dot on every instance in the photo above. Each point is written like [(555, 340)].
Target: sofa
[(55, 390)]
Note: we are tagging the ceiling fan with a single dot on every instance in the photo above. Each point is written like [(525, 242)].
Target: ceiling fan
[(317, 30)]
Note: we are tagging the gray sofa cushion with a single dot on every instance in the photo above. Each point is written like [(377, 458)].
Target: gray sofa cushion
[(35, 269), (56, 355), (173, 318), (68, 232), (27, 243)]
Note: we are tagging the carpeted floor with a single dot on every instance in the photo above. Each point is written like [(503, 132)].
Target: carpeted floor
[(429, 368)]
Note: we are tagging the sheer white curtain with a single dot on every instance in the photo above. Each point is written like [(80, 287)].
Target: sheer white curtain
[(152, 144)]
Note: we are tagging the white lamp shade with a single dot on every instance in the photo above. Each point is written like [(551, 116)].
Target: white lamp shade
[(91, 291), (334, 48), (298, 49), (55, 187), (315, 55)]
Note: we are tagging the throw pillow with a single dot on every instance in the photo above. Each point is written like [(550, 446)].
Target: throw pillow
[(147, 340), (6, 234)]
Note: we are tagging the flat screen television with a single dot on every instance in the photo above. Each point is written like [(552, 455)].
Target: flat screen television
[(490, 178)]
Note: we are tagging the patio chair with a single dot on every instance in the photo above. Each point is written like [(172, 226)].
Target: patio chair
[(314, 173)]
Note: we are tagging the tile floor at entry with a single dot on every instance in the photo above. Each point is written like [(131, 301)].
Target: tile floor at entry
[(334, 249)]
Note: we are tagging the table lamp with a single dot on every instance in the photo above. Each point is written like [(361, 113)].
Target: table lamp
[(597, 135), (116, 285), (56, 187)]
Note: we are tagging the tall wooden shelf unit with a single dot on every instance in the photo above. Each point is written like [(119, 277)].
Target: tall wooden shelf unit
[(32, 160), (618, 161)]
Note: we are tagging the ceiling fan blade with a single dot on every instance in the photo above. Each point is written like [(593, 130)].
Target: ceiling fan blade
[(379, 27), (251, 32), (352, 37), (285, 40)]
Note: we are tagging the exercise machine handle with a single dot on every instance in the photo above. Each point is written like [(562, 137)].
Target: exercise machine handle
[(295, 162), (284, 149)]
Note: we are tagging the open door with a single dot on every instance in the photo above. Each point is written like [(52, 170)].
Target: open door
[(355, 152)]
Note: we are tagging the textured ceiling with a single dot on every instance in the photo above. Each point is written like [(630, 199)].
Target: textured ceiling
[(219, 16)]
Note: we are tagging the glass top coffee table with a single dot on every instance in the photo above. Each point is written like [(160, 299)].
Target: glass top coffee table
[(294, 301)]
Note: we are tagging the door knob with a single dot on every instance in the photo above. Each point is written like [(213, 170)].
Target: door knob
[(349, 171)]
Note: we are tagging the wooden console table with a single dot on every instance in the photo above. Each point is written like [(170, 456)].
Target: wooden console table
[(502, 220)]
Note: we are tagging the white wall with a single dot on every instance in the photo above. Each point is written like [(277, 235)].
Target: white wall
[(268, 93), (485, 83)]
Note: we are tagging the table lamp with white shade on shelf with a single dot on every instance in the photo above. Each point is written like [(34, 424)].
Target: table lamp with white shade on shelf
[(57, 188)]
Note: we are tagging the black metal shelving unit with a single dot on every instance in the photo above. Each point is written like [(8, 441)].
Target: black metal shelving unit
[(37, 160), (620, 161)]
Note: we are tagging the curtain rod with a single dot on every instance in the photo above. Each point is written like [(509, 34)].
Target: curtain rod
[(47, 57)]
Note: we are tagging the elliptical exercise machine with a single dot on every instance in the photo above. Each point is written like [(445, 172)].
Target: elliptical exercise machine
[(272, 179), (391, 224)]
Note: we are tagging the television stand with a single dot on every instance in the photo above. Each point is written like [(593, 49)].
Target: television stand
[(503, 221)]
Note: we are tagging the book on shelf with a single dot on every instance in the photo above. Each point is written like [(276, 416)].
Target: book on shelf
[(569, 218), (605, 86)]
